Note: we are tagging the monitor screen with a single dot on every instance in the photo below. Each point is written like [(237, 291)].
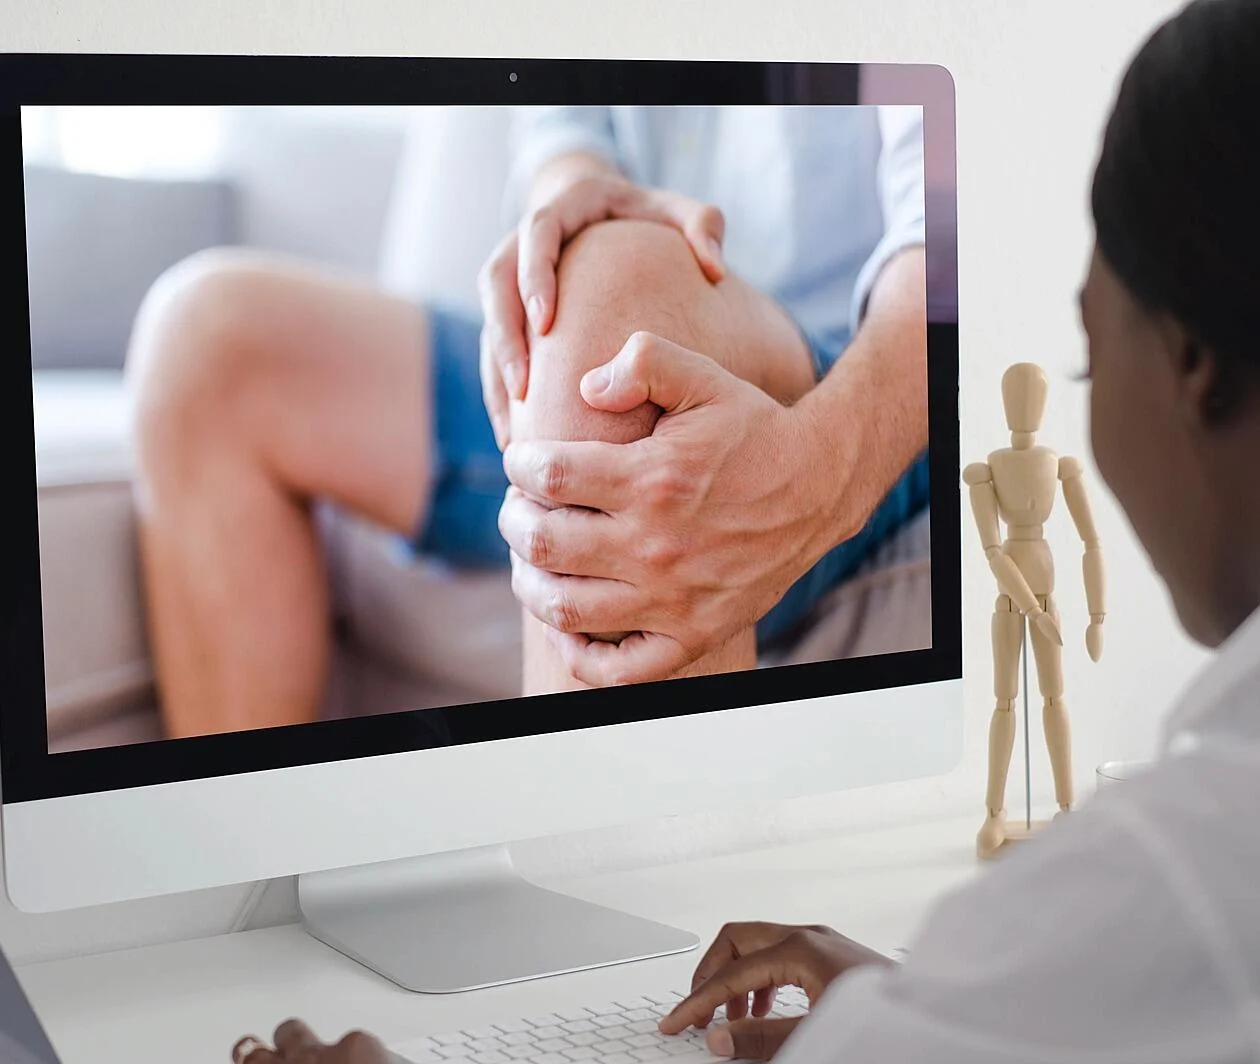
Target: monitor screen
[(273, 522)]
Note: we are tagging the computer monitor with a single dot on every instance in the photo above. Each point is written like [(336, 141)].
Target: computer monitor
[(395, 811)]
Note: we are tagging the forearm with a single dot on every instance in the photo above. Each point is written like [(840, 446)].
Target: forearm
[(869, 415), (562, 173)]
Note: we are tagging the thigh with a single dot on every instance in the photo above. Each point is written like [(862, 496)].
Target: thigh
[(323, 377)]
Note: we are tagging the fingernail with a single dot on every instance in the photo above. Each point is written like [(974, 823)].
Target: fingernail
[(598, 380), (715, 250), (534, 308), (721, 1043)]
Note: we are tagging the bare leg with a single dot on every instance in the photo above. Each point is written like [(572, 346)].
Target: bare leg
[(261, 386), (1049, 658), (615, 279), (1007, 639)]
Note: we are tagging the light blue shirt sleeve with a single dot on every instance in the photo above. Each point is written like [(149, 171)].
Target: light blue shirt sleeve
[(541, 134), (901, 191)]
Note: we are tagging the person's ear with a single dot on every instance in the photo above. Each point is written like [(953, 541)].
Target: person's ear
[(1202, 392)]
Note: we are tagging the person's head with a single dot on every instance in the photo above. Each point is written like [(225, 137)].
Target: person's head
[(1171, 306)]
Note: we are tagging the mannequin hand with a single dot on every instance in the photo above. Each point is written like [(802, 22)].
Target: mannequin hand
[(757, 959), (1045, 622), (1094, 639), (295, 1043)]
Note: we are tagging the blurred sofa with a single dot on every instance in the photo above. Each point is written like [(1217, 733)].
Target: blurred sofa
[(414, 204)]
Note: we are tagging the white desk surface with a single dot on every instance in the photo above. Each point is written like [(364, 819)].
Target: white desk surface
[(188, 1002)]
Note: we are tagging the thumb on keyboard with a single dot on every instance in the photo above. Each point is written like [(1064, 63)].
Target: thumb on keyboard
[(750, 1039)]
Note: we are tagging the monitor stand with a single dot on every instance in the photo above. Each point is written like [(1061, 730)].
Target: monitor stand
[(467, 920)]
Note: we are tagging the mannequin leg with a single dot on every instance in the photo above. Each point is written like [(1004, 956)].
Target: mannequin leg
[(1008, 630), (1049, 658)]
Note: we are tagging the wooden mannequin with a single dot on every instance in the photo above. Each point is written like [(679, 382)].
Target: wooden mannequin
[(1017, 485)]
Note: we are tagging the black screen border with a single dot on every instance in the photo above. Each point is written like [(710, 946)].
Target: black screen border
[(28, 772)]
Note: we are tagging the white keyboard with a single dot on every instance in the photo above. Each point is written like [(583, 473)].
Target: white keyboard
[(619, 1032)]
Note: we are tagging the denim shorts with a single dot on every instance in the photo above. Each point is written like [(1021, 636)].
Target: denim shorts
[(461, 526)]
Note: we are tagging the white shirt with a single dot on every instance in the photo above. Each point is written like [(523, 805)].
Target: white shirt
[(1129, 931), (816, 199)]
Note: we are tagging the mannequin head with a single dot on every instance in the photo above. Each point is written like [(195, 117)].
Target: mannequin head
[(1024, 389)]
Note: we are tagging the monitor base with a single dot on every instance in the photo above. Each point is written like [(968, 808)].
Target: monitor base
[(468, 920)]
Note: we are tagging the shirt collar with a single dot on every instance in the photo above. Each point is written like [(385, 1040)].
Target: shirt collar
[(1236, 663)]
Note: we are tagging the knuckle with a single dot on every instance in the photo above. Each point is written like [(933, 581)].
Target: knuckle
[(639, 348), (552, 475), (564, 613), (664, 484), (538, 547), (660, 553)]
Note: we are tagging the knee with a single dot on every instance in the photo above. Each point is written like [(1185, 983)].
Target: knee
[(615, 279), (189, 347)]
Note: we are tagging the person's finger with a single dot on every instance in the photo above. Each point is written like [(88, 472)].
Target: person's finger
[(591, 474), (750, 1039), (566, 541), (650, 369), (702, 224), (640, 657), (494, 392), (763, 1001), (293, 1037), (358, 1047), (576, 603), (252, 1050), (775, 966), (504, 317)]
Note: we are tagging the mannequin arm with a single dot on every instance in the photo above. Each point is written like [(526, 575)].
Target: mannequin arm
[(984, 509), (1078, 506)]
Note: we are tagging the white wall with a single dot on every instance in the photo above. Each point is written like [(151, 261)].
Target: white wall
[(1034, 81)]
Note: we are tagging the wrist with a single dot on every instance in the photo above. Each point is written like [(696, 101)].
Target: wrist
[(828, 467), (560, 174)]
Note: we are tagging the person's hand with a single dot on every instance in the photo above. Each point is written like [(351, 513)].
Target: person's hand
[(757, 959), (295, 1043), (1094, 638), (518, 282), (1045, 623), (683, 538)]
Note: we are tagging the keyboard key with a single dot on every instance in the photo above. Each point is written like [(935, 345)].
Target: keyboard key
[(611, 1019), (550, 1020), (670, 997), (638, 1014), (574, 1014), (605, 1009), (549, 1058), (414, 1055), (642, 1026), (618, 1058), (581, 1053), (512, 1026), (550, 1032), (482, 1032), (578, 1026), (676, 1049), (490, 1058), (554, 1045), (521, 1052), (620, 1031), (455, 1052), (614, 1045), (649, 1053), (638, 1041), (635, 1003), (519, 1038), (484, 1044), (585, 1038), (453, 1039)]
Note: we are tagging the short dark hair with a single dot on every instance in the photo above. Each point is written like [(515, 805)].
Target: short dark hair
[(1176, 194)]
